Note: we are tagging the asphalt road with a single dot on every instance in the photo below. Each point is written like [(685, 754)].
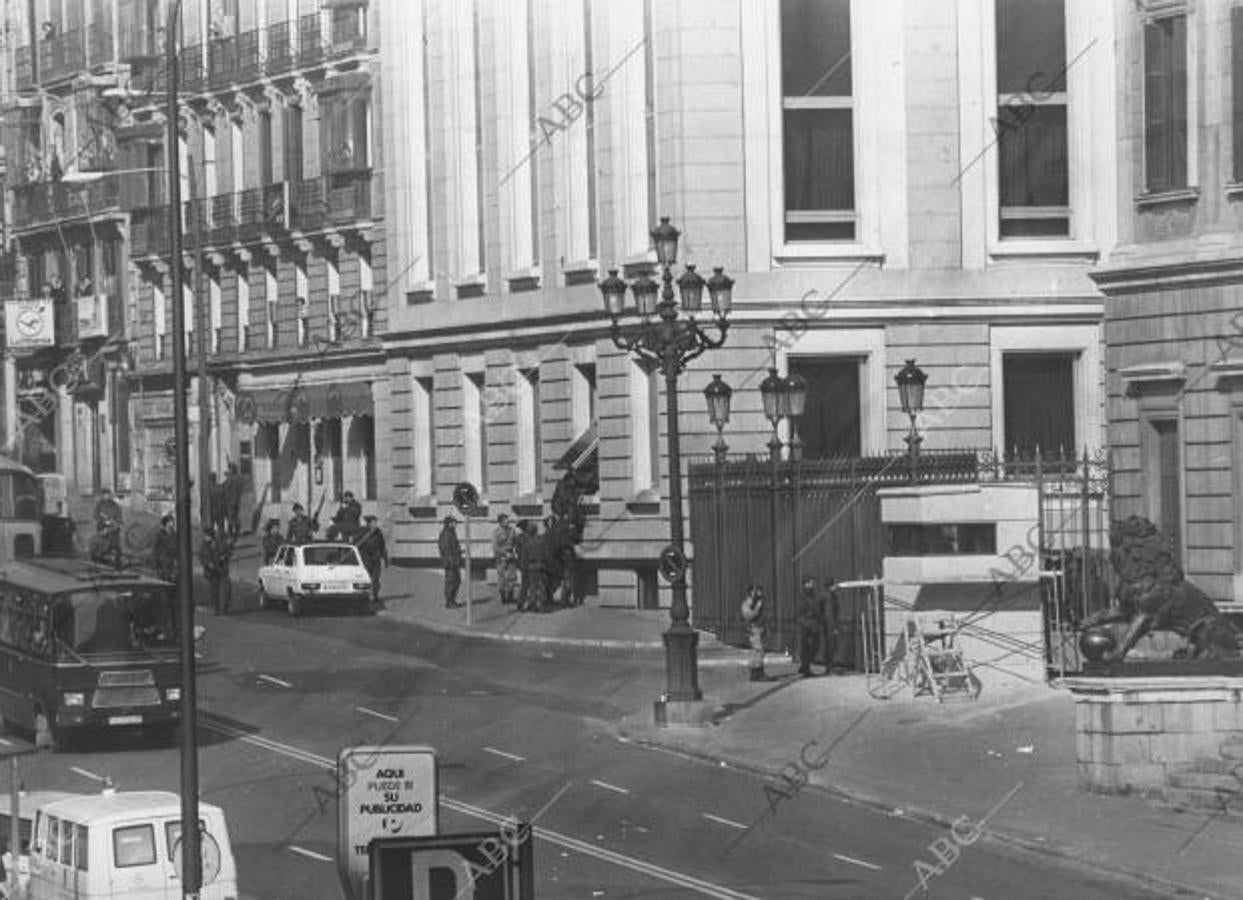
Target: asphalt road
[(524, 730)]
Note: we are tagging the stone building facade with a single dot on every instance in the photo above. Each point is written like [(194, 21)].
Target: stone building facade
[(1173, 315), (884, 180)]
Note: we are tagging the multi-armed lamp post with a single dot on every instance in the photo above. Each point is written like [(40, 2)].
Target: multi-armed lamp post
[(665, 340)]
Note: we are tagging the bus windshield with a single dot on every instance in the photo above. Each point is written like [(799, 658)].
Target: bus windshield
[(114, 620)]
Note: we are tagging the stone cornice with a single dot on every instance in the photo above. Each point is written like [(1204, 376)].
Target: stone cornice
[(1196, 265)]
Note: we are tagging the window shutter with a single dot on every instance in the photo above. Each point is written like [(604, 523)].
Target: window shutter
[(1236, 77), (1177, 54)]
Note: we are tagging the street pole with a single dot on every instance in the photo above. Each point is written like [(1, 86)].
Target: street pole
[(15, 831), (681, 640), (191, 873), (469, 597), (203, 327)]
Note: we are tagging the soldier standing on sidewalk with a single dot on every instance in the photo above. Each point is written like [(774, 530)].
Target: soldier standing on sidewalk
[(371, 547), (216, 555), (164, 552), (810, 626), (753, 616), (503, 558), (451, 561)]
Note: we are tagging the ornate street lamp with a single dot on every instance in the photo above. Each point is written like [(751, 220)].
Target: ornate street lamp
[(718, 395), (795, 403), (771, 389), (668, 343), (911, 380)]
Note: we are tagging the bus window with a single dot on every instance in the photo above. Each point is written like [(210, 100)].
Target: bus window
[(133, 845), (114, 620), (81, 838), (51, 847), (66, 842)]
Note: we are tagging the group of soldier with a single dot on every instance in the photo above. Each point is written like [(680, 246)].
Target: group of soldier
[(536, 570), (348, 525)]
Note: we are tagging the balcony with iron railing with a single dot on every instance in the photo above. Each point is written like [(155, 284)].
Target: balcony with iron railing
[(223, 218), (310, 40), (338, 198), (23, 69), (150, 231), (348, 32), (191, 73), (46, 202), (62, 55), (280, 56)]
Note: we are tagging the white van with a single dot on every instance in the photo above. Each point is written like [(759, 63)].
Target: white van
[(124, 845), (30, 801)]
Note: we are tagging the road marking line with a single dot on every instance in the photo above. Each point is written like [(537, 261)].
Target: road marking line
[(857, 862), (85, 773), (310, 854), (730, 822), (378, 715), (514, 756), (706, 888), (276, 681), (609, 787)]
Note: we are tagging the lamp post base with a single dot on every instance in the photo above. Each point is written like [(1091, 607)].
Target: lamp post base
[(682, 702)]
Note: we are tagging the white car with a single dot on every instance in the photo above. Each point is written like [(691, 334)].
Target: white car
[(319, 572)]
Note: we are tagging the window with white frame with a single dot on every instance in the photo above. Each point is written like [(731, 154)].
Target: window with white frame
[(1165, 104), (464, 135), (271, 294), (631, 101), (215, 310), (333, 264), (302, 299), (645, 427), (582, 397), (474, 430), (238, 152), (188, 311), (158, 301), (243, 307), (817, 121), (570, 130), (1031, 122), (519, 175), (366, 292), (530, 439), (209, 179), (424, 437)]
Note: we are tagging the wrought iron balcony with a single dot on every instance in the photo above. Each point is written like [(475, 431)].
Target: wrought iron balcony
[(62, 55), (348, 31), (193, 78), (149, 231), (98, 44), (280, 56), (310, 40), (223, 218), (248, 61), (41, 203), (23, 69), (348, 195), (222, 65)]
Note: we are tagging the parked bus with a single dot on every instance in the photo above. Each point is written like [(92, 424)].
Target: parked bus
[(83, 646), (21, 511)]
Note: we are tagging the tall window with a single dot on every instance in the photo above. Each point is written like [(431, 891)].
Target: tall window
[(237, 152), (1161, 448), (832, 423), (291, 131), (424, 438), (530, 440), (1236, 78), (645, 430), (465, 144), (302, 300), (271, 294), (817, 121), (344, 134), (188, 311), (243, 307), (1039, 398), (161, 319), (215, 311), (518, 179), (265, 147), (583, 397), (1165, 104), (475, 431), (1030, 128)]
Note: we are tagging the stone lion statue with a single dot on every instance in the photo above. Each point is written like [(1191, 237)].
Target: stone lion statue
[(1153, 593)]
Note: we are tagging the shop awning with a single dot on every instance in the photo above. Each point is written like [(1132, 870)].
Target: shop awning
[(301, 403), (979, 596), (582, 453)]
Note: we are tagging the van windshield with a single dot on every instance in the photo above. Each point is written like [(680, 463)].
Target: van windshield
[(114, 620)]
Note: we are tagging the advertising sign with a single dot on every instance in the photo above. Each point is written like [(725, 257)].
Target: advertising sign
[(93, 316), (29, 323), (385, 792), (485, 866)]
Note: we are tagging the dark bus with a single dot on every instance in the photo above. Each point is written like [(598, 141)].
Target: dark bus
[(82, 647)]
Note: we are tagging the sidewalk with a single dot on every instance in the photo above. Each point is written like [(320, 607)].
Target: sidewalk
[(1010, 753)]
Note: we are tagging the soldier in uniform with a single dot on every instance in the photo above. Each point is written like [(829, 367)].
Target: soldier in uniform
[(531, 560), (371, 547), (164, 550), (302, 527), (811, 628), (451, 560), (233, 488), (272, 540), (503, 558), (216, 555), (345, 524), (105, 547)]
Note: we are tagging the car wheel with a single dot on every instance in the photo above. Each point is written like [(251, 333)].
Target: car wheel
[(45, 732), (295, 604)]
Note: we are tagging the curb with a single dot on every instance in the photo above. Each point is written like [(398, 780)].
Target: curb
[(1009, 840), (722, 653)]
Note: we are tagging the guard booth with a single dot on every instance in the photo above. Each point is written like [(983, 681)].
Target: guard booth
[(776, 522)]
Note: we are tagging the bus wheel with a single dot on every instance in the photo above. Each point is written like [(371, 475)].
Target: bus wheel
[(45, 732), (295, 604)]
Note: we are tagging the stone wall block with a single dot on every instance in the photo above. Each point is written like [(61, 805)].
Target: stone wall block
[(1125, 749), (1141, 777), (1228, 715), (1126, 718), (1182, 746), (1187, 717), (1090, 716)]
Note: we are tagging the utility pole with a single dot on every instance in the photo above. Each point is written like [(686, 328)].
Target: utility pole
[(202, 325)]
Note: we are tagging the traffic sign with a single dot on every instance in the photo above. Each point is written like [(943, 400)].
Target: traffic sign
[(482, 866), (385, 792)]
